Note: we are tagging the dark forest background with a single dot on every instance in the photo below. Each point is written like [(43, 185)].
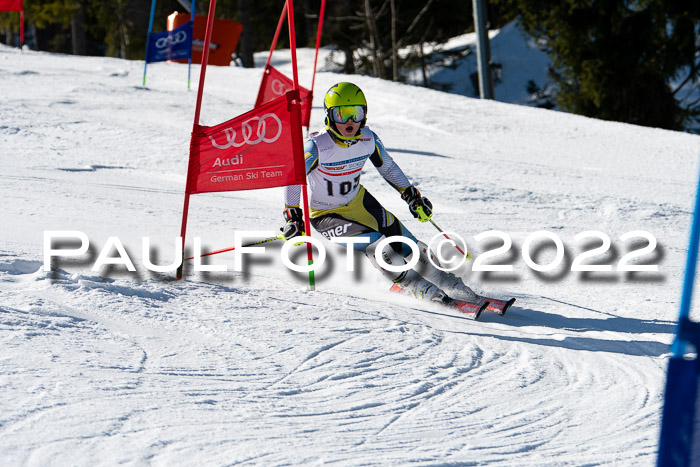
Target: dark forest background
[(634, 61)]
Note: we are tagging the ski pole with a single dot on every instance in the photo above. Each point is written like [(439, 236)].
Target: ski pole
[(467, 255), (224, 250), (424, 218)]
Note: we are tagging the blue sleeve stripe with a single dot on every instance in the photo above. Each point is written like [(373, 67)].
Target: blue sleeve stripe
[(310, 155)]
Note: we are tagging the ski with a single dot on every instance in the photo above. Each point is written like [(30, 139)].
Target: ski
[(499, 306), (472, 310)]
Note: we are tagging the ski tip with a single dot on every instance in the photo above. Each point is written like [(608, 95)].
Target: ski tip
[(507, 305), (480, 310), (472, 310)]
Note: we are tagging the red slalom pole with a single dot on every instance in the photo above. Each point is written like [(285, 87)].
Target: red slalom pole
[(307, 123), (292, 42), (305, 195), (21, 28), (200, 91), (283, 16), (266, 69), (467, 256), (318, 43), (224, 250), (205, 58)]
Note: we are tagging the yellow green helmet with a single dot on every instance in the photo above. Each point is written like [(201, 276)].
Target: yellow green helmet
[(344, 95)]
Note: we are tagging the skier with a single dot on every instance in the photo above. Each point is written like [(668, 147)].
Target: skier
[(340, 204)]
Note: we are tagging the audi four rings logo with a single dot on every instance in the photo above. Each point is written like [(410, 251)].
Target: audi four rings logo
[(278, 87), (173, 39), (247, 132)]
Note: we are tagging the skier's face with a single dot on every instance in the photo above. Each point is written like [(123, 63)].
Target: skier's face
[(348, 128)]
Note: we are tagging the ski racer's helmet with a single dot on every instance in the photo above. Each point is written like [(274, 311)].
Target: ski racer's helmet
[(342, 102)]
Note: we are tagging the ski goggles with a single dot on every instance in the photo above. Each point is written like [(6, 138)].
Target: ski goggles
[(344, 113)]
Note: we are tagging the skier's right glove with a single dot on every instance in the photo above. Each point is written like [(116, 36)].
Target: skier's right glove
[(295, 223), (420, 206)]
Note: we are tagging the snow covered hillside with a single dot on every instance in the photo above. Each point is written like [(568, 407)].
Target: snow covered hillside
[(519, 64), (221, 368), (518, 57)]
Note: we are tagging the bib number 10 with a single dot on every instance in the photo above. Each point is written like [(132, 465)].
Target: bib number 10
[(342, 188)]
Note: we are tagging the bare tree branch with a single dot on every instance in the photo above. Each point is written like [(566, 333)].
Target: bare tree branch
[(404, 40), (382, 10), (419, 15), (691, 74), (693, 104), (377, 62)]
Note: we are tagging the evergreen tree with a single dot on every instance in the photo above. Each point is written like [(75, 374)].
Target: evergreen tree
[(52, 19), (618, 59)]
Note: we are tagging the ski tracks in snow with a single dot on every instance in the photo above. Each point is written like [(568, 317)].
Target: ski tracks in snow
[(148, 373)]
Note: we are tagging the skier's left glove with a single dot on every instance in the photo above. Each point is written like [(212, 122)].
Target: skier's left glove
[(420, 206), (295, 223)]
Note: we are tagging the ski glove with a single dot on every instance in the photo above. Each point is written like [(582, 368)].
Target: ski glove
[(420, 206), (295, 223)]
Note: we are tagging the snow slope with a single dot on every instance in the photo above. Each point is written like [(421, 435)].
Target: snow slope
[(222, 368)]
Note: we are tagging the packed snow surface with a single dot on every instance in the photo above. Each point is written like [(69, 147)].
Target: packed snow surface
[(110, 366)]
